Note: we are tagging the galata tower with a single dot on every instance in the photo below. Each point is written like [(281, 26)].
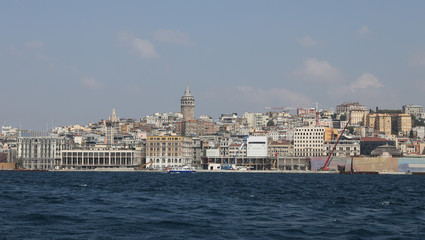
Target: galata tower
[(188, 105)]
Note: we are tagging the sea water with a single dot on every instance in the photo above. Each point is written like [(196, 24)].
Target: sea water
[(136, 205)]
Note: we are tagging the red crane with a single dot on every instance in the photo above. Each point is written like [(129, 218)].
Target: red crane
[(328, 161)]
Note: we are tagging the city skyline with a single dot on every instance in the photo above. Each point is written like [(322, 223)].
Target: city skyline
[(72, 62)]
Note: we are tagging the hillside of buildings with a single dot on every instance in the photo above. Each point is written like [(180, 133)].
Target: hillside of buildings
[(277, 139)]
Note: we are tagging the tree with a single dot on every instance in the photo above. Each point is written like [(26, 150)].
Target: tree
[(411, 134), (270, 123), (343, 117), (416, 122)]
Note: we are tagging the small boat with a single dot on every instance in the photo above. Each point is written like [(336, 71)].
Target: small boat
[(184, 169)]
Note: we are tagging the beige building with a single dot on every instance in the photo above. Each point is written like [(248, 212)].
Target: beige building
[(357, 116), (195, 128), (169, 151), (280, 149), (388, 123), (402, 123), (380, 122), (348, 106)]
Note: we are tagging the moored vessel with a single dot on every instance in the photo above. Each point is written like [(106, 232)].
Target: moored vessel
[(184, 169)]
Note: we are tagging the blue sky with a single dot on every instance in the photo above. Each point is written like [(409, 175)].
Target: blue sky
[(74, 61)]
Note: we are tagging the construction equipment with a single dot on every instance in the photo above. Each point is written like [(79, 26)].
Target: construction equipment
[(144, 165), (329, 159), (230, 167), (250, 165)]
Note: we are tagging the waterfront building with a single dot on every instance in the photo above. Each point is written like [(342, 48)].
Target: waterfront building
[(345, 148), (169, 151), (237, 150), (368, 144), (308, 141), (187, 105), (99, 159), (256, 146), (41, 150), (280, 149)]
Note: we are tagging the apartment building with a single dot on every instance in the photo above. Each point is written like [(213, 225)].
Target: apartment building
[(402, 124), (41, 150), (348, 106), (169, 151), (416, 110), (308, 141), (357, 116)]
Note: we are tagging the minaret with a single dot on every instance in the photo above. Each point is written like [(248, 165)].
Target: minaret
[(188, 104)]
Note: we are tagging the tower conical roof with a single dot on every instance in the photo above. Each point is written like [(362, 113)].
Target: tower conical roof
[(187, 91)]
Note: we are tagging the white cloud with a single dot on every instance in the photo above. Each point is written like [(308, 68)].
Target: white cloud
[(34, 45), (90, 82), (307, 41), (142, 47), (363, 31), (366, 80), (171, 36), (317, 71)]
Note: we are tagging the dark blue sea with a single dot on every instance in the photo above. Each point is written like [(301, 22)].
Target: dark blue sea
[(136, 205)]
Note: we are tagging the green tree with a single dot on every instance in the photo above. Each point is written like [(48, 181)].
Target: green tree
[(270, 123), (416, 122)]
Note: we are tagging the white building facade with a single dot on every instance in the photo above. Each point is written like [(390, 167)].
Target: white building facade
[(41, 152), (308, 141), (256, 146)]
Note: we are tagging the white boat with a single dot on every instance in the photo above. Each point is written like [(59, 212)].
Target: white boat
[(184, 169)]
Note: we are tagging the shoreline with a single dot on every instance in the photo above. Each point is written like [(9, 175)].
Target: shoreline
[(223, 171)]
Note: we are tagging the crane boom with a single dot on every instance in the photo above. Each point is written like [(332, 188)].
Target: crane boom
[(144, 165), (229, 167), (328, 162)]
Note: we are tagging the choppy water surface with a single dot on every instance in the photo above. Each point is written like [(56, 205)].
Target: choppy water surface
[(110, 205)]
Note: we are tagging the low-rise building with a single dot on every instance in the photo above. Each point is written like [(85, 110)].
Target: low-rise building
[(280, 149), (104, 159), (345, 148)]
